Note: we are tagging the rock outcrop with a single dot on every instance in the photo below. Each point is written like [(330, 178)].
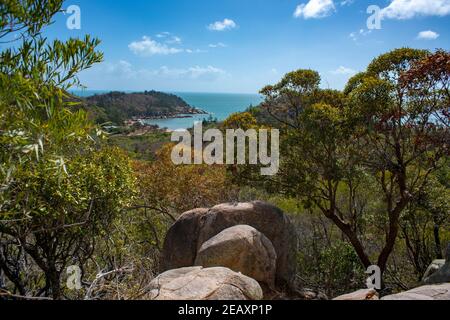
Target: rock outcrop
[(430, 292), (364, 294), (439, 271), (193, 228), (181, 242), (242, 249), (197, 283)]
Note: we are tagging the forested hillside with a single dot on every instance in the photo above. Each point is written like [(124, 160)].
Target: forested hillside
[(118, 107)]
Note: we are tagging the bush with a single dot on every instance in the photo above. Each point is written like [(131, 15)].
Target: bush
[(335, 271)]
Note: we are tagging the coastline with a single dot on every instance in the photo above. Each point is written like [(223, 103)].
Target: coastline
[(188, 115), (198, 108)]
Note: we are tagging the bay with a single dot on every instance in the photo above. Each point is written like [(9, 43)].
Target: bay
[(217, 105)]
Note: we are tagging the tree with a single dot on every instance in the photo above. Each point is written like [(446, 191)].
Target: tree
[(423, 222), (60, 189), (242, 121), (423, 241), (389, 127), (318, 162), (401, 114)]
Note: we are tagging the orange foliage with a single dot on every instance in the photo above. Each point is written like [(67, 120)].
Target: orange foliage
[(175, 189)]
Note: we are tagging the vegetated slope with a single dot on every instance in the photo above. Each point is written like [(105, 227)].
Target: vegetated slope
[(117, 107), (141, 147)]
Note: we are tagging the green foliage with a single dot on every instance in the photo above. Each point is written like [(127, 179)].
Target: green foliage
[(144, 147), (242, 121), (26, 17), (60, 188), (340, 269), (391, 65), (286, 100), (388, 128), (369, 102), (369, 161), (56, 63), (53, 64), (354, 82), (300, 81), (117, 107)]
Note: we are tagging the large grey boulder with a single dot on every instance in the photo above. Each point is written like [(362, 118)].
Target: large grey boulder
[(242, 249), (432, 268), (438, 271), (180, 244), (430, 292), (197, 283), (194, 228)]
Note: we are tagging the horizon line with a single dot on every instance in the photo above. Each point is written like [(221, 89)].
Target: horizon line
[(165, 91)]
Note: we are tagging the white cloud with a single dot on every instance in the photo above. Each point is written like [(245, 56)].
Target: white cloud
[(122, 68), (361, 33), (148, 47), (217, 45), (408, 9), (226, 24), (169, 38), (174, 40), (347, 2), (125, 70), (208, 73), (343, 71), (163, 34), (315, 9), (428, 35), (198, 72), (195, 51)]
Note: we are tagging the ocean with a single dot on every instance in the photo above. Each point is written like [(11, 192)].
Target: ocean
[(218, 105)]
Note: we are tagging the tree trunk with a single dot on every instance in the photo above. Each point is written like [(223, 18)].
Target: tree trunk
[(52, 278), (14, 277), (394, 214), (437, 242), (394, 226), (352, 237)]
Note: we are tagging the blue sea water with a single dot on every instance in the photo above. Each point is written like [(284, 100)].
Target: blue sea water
[(218, 105)]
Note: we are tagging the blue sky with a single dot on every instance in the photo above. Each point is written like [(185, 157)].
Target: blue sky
[(242, 45)]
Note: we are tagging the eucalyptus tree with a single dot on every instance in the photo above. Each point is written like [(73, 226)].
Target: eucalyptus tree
[(401, 107), (385, 134), (318, 162)]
